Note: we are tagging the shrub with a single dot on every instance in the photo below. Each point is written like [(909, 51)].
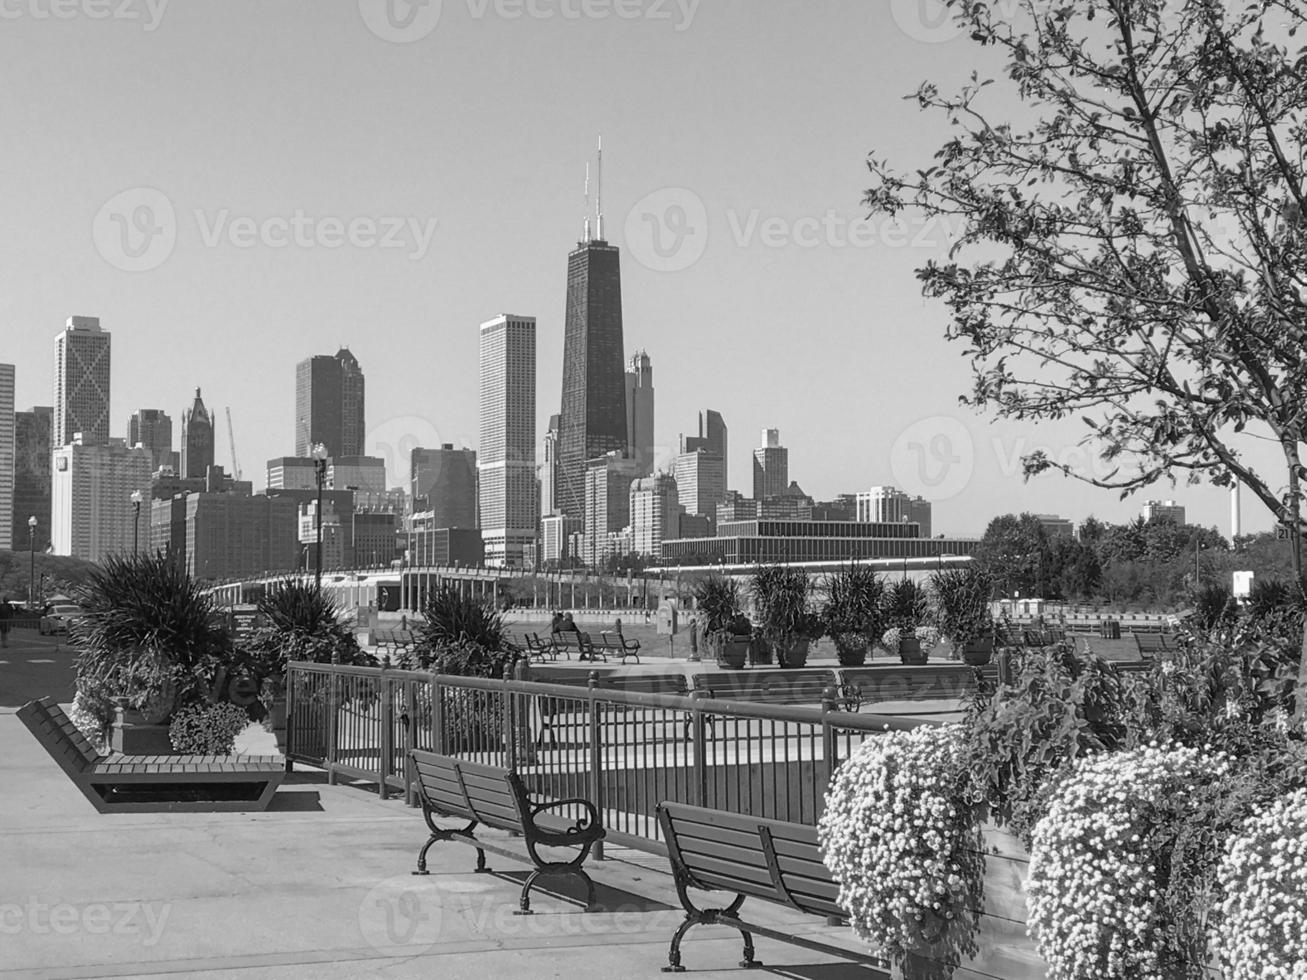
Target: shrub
[(892, 640), (298, 621), (1103, 897), (780, 595), (451, 618), (962, 609), (207, 729), (717, 599), (149, 634), (1214, 606), (1060, 706), (899, 836), (905, 605), (851, 611), (1261, 931)]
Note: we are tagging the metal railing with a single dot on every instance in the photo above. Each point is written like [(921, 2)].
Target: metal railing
[(624, 751)]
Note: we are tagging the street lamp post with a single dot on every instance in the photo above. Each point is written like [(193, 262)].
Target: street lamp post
[(136, 527), (319, 453), (31, 566)]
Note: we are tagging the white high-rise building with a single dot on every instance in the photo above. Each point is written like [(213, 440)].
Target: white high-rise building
[(890, 505), (91, 498), (81, 383), (771, 466), (7, 458), (655, 514), (1159, 510), (700, 482), (548, 470), (640, 411), (506, 479)]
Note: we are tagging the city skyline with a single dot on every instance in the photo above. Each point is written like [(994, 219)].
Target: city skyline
[(778, 313)]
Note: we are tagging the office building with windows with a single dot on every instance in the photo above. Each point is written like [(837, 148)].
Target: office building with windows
[(92, 515), (765, 541), (771, 466), (508, 511), (8, 459), (640, 411), (81, 383), (152, 428), (197, 439), (32, 477), (444, 483), (330, 405), (608, 482), (889, 505)]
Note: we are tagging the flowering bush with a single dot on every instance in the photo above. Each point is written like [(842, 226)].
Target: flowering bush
[(207, 729), (890, 640), (1261, 932), (929, 636), (1102, 897), (898, 835)]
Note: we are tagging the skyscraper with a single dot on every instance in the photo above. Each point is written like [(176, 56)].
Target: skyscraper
[(712, 429), (699, 482), (91, 508), (7, 458), (81, 383), (640, 411), (444, 484), (655, 514), (548, 473), (32, 476), (890, 505), (197, 439), (152, 428), (592, 421), (329, 404), (508, 511), (607, 504), (771, 466)]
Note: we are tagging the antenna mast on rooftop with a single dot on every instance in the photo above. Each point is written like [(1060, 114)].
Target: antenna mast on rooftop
[(599, 191)]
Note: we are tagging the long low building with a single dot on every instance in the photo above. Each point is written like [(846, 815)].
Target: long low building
[(763, 542)]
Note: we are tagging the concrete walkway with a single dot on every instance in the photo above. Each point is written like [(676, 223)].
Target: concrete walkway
[(319, 887)]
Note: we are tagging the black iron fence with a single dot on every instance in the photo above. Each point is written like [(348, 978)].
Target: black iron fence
[(625, 751)]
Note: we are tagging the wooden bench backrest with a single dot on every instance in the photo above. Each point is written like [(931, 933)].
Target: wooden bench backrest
[(771, 859), (928, 682), (1151, 643), (770, 686), (646, 683), (487, 794), (61, 738)]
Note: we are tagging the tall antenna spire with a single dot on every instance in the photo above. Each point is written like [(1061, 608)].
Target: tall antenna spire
[(587, 203), (599, 192)]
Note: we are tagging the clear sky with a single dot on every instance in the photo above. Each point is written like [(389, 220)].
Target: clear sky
[(234, 185)]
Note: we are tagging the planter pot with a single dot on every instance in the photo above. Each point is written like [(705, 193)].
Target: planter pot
[(977, 653), (910, 652), (792, 654), (852, 652), (133, 734), (732, 651), (760, 652)]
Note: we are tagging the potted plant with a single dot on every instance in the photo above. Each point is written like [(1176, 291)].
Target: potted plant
[(780, 596), (726, 632), (296, 621), (905, 608), (962, 611), (149, 643), (851, 613)]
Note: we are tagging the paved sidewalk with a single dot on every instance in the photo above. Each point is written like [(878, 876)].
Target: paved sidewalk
[(319, 887)]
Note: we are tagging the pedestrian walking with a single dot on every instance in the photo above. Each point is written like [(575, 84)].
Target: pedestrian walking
[(6, 619)]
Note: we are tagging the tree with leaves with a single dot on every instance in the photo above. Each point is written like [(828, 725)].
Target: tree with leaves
[(1136, 255), (1153, 269)]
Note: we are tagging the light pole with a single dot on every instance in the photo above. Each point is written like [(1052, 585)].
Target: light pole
[(136, 527), (319, 453), (1198, 582), (31, 565)]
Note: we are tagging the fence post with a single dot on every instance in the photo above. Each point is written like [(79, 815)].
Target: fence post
[(437, 717), (386, 760), (333, 719), (595, 780), (829, 746), (288, 690), (509, 720), (699, 743), (408, 721), (526, 745)]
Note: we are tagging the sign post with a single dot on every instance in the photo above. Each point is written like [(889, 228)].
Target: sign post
[(667, 624)]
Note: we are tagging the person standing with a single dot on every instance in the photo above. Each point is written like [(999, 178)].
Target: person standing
[(6, 618)]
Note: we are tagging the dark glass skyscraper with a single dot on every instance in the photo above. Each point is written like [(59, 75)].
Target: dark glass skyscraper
[(197, 440), (329, 404), (593, 417)]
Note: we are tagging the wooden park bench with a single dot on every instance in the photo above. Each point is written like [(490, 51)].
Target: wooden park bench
[(897, 682), (588, 650), (1151, 644), (809, 686), (494, 797), (713, 850), (394, 641), (538, 649), (153, 783), (617, 644), (564, 642)]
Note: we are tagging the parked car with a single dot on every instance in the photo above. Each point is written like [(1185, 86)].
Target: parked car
[(57, 618)]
